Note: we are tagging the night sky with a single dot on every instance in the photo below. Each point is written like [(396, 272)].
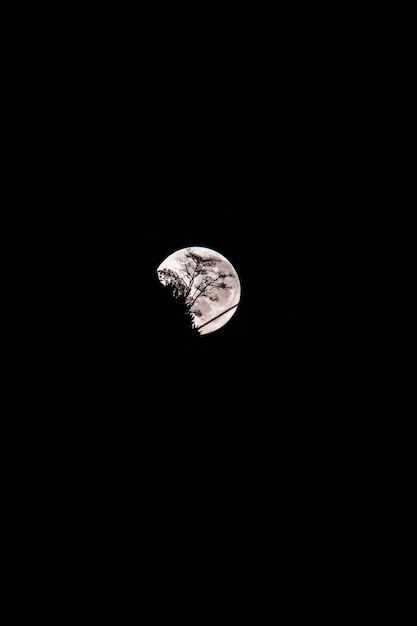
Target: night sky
[(153, 474)]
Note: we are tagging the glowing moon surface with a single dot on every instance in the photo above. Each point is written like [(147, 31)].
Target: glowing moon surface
[(208, 282)]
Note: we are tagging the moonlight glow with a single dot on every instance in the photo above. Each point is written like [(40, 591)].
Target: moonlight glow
[(208, 280)]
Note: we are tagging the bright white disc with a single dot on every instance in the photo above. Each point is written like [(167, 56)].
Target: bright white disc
[(211, 281)]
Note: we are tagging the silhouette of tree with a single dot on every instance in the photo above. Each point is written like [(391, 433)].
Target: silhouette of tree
[(177, 309), (196, 279)]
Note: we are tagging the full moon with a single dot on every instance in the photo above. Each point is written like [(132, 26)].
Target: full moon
[(207, 281)]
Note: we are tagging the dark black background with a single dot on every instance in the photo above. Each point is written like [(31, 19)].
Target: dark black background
[(151, 474)]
